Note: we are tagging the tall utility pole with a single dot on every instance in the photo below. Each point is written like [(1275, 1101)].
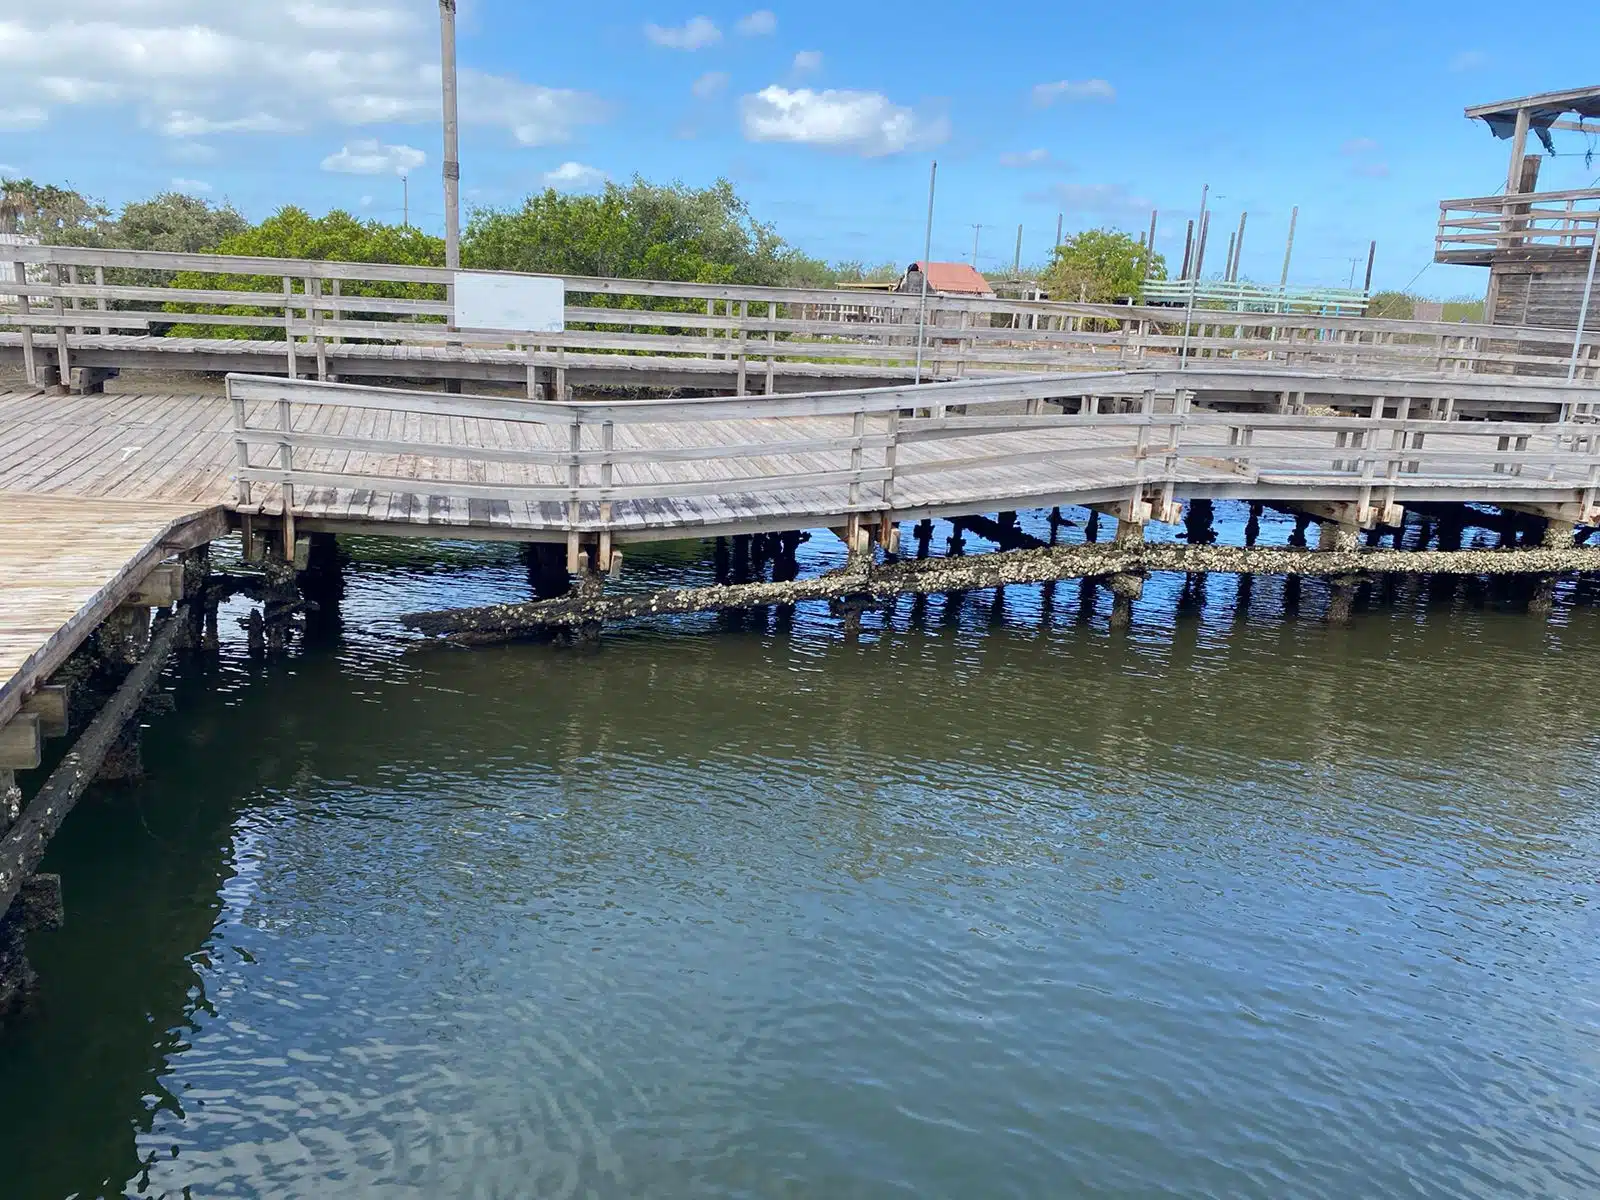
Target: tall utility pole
[(1058, 229), (927, 251), (1016, 263), (405, 199), (976, 229), (1288, 249), (1194, 278), (452, 149)]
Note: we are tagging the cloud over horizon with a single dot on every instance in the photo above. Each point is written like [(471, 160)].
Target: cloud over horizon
[(864, 123)]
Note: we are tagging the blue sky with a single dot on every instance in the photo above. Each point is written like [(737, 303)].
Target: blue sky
[(826, 115)]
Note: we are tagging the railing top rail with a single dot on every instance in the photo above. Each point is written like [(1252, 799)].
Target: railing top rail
[(895, 398), (887, 302), (1506, 199)]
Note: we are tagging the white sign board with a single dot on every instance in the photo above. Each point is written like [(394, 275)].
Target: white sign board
[(526, 303)]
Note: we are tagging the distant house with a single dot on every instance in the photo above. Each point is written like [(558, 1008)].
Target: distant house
[(949, 279)]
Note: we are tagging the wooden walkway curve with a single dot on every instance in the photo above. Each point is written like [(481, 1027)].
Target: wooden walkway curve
[(96, 489), (66, 562)]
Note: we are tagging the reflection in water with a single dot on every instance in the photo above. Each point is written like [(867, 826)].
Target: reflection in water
[(980, 900)]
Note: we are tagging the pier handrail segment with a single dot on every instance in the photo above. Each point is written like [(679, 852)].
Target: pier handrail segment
[(1474, 230), (642, 468), (312, 317)]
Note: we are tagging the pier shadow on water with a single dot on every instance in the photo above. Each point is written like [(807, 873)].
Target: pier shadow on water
[(978, 899)]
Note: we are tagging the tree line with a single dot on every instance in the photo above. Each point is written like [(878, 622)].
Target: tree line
[(637, 230)]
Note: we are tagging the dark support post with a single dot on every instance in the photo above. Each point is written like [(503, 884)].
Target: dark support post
[(547, 569), (1091, 528), (1199, 528), (321, 586), (1252, 527), (924, 535)]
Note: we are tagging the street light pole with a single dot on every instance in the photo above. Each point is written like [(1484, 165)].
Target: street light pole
[(452, 150)]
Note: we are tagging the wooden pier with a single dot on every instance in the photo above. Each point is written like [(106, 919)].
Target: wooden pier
[(101, 493)]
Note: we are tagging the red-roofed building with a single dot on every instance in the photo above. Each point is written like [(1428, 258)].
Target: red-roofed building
[(951, 279)]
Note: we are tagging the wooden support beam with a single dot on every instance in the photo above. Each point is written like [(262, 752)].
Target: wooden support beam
[(161, 588), (49, 704), (21, 743), (24, 847)]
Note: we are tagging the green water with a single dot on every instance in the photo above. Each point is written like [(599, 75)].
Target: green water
[(984, 900)]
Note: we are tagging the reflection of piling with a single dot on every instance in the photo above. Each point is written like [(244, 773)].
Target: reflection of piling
[(1126, 587)]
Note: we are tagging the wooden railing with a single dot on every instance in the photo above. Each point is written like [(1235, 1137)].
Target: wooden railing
[(1240, 295), (314, 317), (639, 468), (1474, 230)]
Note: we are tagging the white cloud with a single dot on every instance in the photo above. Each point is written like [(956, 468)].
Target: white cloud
[(193, 152), (865, 123), (694, 34), (1469, 60), (1027, 158), (1359, 145), (187, 124), (574, 177), (761, 23), (191, 68), (369, 156), (18, 118), (808, 60), (190, 185), (1046, 94), (710, 84), (369, 22)]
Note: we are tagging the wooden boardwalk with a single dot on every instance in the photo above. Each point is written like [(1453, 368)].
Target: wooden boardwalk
[(66, 562), (96, 489)]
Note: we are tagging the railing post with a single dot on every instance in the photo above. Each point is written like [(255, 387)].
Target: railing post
[(772, 347), (30, 364), (286, 464), (574, 485), (1592, 484), (77, 304), (241, 449), (891, 453), (1396, 443), (607, 434), (288, 323), (1181, 401), (858, 431), (744, 311), (63, 364), (1141, 446), (313, 304), (100, 301)]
